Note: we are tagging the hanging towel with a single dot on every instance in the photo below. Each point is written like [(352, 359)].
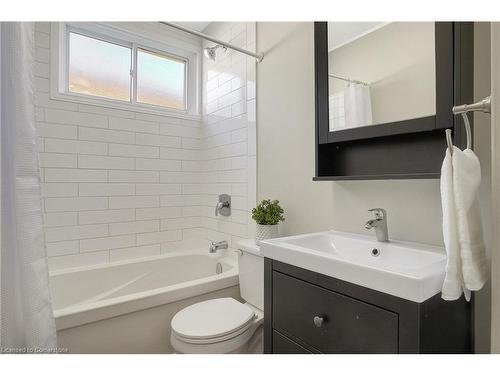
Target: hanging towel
[(466, 181), (357, 105), (453, 283), (467, 265)]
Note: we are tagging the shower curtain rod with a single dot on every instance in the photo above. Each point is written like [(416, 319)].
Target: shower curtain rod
[(257, 56), (348, 79)]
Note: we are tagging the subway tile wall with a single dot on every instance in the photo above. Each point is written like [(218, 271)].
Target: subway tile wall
[(120, 184), (229, 131)]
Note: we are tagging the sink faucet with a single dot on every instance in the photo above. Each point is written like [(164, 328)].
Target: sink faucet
[(379, 223), (214, 246)]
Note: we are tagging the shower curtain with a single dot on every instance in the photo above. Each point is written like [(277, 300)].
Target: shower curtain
[(357, 105), (26, 317)]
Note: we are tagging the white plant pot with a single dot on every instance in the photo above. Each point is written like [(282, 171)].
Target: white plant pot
[(266, 232)]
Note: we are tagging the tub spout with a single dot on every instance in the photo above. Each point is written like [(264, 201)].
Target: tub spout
[(214, 246)]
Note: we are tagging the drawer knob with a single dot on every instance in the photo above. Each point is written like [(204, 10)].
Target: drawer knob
[(318, 321)]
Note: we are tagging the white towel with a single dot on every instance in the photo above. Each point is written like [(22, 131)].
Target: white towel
[(467, 265), (453, 283), (466, 181)]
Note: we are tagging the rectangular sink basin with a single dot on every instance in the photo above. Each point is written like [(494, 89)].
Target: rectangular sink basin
[(403, 269)]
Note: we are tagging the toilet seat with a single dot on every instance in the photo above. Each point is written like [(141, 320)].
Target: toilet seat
[(212, 321), (217, 325)]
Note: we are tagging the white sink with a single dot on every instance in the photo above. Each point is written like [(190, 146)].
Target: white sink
[(408, 270)]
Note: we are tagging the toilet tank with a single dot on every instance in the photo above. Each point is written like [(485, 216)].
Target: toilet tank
[(251, 273)]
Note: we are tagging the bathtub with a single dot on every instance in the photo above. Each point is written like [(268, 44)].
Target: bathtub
[(126, 307)]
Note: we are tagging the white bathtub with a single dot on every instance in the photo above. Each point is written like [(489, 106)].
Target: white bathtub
[(126, 307)]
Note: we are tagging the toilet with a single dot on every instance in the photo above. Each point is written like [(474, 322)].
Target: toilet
[(225, 325)]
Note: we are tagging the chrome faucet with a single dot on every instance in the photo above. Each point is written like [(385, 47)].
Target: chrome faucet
[(214, 246), (379, 223)]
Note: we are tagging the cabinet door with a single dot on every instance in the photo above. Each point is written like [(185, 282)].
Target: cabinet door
[(329, 321)]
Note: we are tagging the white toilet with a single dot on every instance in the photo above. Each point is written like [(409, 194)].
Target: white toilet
[(225, 325)]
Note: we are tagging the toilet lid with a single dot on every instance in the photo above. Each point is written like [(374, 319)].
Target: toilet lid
[(212, 318)]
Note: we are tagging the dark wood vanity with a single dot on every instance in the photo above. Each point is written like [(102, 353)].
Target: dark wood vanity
[(307, 312)]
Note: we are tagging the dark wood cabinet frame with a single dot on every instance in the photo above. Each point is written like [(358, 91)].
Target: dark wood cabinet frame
[(433, 326), (404, 149)]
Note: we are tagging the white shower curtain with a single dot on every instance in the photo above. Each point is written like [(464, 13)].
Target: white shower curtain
[(357, 105), (26, 317)]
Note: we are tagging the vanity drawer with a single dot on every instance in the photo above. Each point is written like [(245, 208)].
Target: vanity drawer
[(348, 326), (283, 345)]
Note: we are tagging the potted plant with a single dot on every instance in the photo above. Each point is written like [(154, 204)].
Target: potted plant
[(267, 215)]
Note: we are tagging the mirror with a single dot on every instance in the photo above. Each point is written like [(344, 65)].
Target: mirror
[(380, 72)]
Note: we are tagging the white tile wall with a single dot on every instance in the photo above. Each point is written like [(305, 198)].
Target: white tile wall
[(229, 132), (121, 184)]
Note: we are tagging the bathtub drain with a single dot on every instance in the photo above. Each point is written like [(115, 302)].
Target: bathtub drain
[(218, 268)]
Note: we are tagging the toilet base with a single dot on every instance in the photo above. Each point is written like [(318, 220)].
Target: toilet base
[(256, 343), (249, 342)]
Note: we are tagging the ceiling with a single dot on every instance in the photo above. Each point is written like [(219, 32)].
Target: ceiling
[(198, 26), (340, 33)]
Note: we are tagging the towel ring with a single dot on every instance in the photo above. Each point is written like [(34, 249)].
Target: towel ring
[(467, 129), (449, 139), (483, 105)]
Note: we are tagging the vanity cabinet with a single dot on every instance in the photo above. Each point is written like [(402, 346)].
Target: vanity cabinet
[(306, 312)]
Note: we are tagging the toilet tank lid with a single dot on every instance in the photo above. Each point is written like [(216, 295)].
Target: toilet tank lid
[(248, 245)]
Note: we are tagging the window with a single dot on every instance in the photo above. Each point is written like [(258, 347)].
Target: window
[(99, 68), (102, 65), (160, 79)]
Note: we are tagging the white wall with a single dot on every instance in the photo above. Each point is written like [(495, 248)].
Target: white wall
[(0, 159), (285, 134), (120, 184), (482, 147), (495, 280)]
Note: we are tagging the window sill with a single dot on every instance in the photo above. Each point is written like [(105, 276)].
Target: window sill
[(123, 106)]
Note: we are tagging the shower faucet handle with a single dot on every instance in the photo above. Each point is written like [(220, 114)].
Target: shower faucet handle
[(223, 206)]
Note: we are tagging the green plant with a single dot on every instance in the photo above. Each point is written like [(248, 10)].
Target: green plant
[(268, 212)]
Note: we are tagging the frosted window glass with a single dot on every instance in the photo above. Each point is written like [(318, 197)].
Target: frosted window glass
[(99, 68), (160, 80)]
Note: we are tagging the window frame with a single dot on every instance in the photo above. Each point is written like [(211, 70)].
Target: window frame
[(176, 49)]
